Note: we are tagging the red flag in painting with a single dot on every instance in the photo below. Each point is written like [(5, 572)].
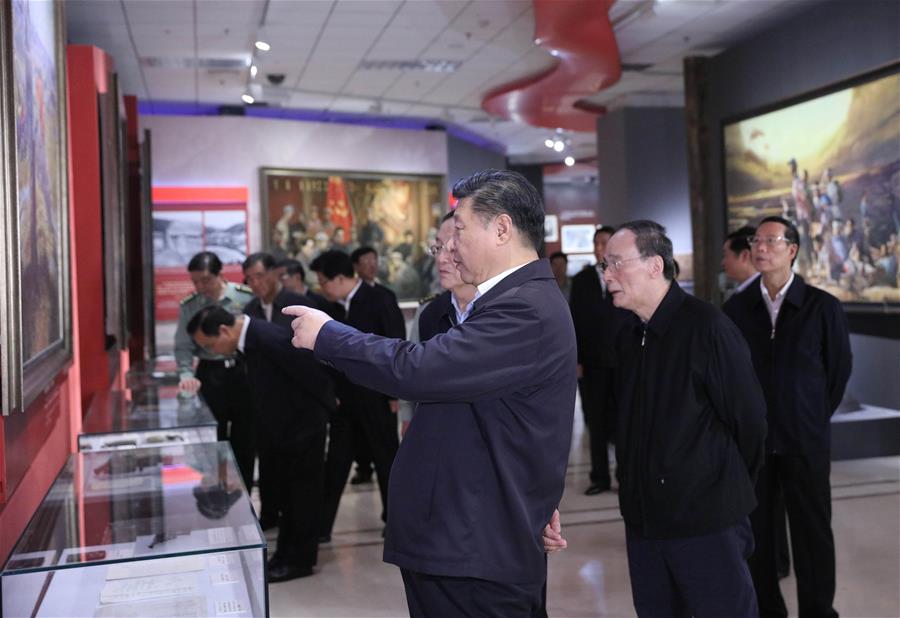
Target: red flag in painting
[(338, 205)]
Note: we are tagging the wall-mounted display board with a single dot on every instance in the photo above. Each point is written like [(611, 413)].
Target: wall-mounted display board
[(306, 212), (187, 220), (35, 324), (829, 161)]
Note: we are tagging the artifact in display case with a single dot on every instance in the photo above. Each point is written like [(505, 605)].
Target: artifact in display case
[(167, 531), (151, 416), (161, 370)]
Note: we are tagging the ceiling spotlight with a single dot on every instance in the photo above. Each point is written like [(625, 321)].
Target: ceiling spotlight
[(246, 98), (537, 41), (253, 70), (559, 146), (263, 46), (569, 161), (554, 52), (548, 143)]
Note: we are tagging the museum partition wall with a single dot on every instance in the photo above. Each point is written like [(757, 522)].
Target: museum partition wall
[(65, 209), (845, 61)]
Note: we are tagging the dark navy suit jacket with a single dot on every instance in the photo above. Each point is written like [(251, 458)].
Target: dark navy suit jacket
[(479, 473)]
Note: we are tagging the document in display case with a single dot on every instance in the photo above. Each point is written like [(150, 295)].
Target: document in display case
[(165, 531), (150, 416)]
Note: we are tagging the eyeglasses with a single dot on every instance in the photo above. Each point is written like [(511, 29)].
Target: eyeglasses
[(770, 241), (616, 265), (436, 250)]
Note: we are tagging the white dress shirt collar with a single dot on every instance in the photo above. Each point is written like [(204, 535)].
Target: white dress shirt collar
[(242, 340), (346, 302), (746, 283), (486, 286), (774, 305)]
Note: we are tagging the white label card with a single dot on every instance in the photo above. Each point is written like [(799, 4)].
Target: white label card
[(232, 606), (224, 577)]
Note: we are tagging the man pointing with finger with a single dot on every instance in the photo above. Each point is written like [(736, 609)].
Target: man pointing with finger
[(482, 469)]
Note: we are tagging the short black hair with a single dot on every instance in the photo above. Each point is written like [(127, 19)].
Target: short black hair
[(358, 253), (292, 267), (266, 259), (739, 240), (446, 217), (496, 192), (790, 231), (559, 254), (209, 319), (651, 240), (332, 263), (205, 262), (604, 229)]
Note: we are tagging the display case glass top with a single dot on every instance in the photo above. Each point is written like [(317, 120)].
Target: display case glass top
[(122, 506), (159, 370), (151, 407)]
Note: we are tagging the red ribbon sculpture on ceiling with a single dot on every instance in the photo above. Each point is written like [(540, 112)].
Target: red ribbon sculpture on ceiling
[(578, 33)]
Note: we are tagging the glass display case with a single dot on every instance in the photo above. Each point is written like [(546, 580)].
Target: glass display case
[(166, 531), (159, 370), (150, 416)]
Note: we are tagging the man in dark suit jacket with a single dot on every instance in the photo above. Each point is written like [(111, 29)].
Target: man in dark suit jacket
[(482, 468), (597, 322), (293, 277), (369, 310), (800, 346), (269, 298), (294, 395)]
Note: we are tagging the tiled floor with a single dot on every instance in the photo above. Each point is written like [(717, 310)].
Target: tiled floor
[(590, 578)]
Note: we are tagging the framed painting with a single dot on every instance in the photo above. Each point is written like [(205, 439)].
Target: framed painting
[(35, 323), (830, 162), (305, 212)]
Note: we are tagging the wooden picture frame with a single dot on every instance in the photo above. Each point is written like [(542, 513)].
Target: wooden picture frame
[(35, 295)]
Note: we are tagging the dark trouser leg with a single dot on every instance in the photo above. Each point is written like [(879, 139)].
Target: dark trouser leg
[(807, 495), (431, 596), (653, 588), (711, 572), (301, 466), (763, 562), (362, 454), (227, 393), (782, 548), (337, 466), (380, 429), (268, 483), (594, 388)]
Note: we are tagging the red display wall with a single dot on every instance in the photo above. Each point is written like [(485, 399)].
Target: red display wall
[(35, 444)]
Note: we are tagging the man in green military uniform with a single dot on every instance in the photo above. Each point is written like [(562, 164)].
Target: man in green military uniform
[(221, 380)]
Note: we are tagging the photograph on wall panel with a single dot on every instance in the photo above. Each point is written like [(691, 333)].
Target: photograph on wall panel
[(307, 212), (35, 341), (830, 162)]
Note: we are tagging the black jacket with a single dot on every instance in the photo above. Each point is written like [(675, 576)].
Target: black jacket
[(597, 321), (691, 420), (284, 298), (292, 393), (373, 309), (437, 317), (803, 369)]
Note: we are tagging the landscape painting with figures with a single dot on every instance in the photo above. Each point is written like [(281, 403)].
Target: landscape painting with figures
[(308, 212), (831, 164)]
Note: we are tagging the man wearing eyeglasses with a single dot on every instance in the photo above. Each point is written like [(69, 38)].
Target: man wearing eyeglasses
[(597, 322), (690, 436), (483, 465), (800, 346), (438, 314)]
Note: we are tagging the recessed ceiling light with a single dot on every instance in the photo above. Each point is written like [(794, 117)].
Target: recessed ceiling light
[(569, 161), (559, 146), (537, 41), (253, 71), (548, 143), (246, 98), (263, 46), (554, 52)]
